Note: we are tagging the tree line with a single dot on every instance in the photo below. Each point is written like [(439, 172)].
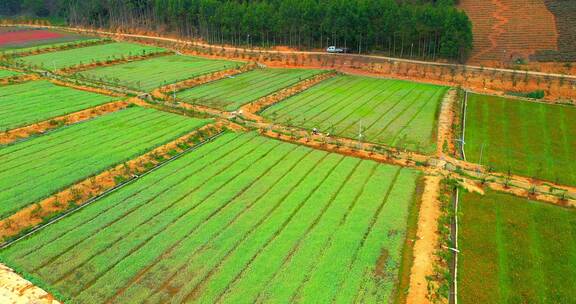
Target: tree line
[(402, 28)]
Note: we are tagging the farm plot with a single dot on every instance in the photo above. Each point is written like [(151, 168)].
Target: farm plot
[(391, 112), (231, 93), (86, 55), (514, 250), (527, 138), (7, 73), (15, 37), (35, 169), (244, 219), (35, 101), (156, 72)]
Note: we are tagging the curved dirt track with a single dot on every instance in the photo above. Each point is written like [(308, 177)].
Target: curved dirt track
[(508, 29)]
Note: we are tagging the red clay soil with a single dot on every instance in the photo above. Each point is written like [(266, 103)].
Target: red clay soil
[(505, 30), (81, 192), (41, 127), (18, 37)]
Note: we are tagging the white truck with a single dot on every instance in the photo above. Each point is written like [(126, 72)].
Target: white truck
[(333, 49)]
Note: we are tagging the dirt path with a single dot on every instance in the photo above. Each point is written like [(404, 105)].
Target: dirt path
[(495, 31), (426, 243), (16, 290), (445, 128), (291, 52)]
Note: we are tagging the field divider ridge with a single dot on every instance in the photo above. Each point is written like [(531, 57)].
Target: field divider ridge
[(47, 211)]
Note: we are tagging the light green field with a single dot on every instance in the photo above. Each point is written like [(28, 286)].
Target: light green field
[(156, 72), (35, 169), (391, 112), (513, 250), (35, 101), (231, 93), (526, 138), (7, 73), (245, 219), (86, 55)]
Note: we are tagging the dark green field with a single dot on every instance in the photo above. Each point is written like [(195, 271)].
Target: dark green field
[(515, 250), (527, 138)]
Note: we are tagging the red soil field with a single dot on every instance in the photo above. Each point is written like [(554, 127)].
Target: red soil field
[(17, 37), (506, 30)]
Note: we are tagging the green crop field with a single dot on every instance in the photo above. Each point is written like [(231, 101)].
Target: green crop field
[(31, 102), (7, 73), (526, 138), (231, 93), (155, 72), (244, 219), (41, 166), (86, 55), (514, 250), (391, 112)]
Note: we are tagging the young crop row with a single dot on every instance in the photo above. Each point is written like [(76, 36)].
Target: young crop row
[(8, 73), (85, 55), (244, 218), (531, 139), (156, 72), (231, 93), (515, 250), (35, 101), (35, 169), (391, 112)]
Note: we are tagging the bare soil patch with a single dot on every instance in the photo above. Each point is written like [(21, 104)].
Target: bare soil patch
[(14, 289)]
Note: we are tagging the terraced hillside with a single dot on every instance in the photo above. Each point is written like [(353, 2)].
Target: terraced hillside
[(505, 30)]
